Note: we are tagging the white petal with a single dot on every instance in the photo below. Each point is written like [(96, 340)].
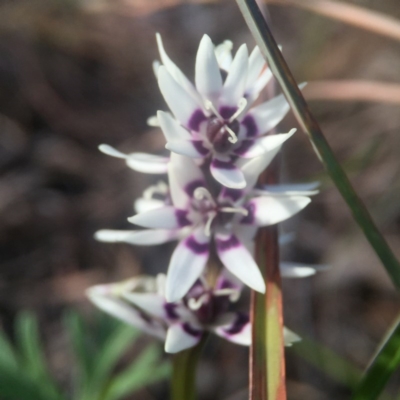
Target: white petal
[(223, 52), (208, 75), (296, 270), (235, 82), (189, 148), (143, 205), (175, 72), (184, 177), (267, 115), (300, 189), (267, 144), (239, 261), (181, 103), (227, 174), (239, 331), (290, 337), (253, 168), (150, 303), (261, 82), (187, 264), (265, 210), (100, 296), (170, 127), (147, 163), (256, 65), (181, 337), (144, 238), (167, 217), (111, 151)]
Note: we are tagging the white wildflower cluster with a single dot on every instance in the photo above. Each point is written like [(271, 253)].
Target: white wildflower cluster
[(219, 144)]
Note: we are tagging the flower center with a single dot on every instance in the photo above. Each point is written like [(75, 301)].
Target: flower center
[(211, 212), (221, 132)]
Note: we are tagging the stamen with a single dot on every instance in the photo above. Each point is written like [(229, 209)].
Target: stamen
[(207, 226), (210, 106), (241, 107), (201, 193), (233, 294), (159, 187), (240, 210), (195, 304), (232, 135)]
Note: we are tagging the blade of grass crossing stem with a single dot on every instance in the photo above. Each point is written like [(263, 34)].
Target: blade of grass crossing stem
[(383, 365), (279, 68), (184, 366)]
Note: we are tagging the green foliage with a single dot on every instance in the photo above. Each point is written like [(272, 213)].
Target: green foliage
[(97, 351), (382, 367)]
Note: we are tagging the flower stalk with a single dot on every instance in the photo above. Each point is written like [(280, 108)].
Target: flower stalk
[(267, 361), (183, 383), (266, 42)]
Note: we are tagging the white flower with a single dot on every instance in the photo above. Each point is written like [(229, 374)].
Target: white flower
[(140, 302), (197, 217), (213, 119)]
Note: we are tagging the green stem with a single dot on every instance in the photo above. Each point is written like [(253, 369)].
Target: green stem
[(279, 68), (183, 385)]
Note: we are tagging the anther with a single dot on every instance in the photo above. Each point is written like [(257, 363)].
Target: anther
[(232, 135), (195, 304), (201, 193), (241, 107), (239, 210), (207, 226), (210, 106)]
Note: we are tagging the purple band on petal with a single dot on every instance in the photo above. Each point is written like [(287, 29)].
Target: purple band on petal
[(238, 324), (198, 145), (227, 244), (224, 283), (222, 164), (234, 194), (197, 248), (250, 125), (196, 119), (227, 112), (249, 218), (193, 185), (181, 216), (190, 330), (244, 146), (170, 310)]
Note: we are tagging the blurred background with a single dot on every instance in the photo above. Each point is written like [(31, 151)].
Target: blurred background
[(78, 73)]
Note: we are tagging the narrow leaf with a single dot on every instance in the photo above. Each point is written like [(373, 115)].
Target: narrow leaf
[(282, 73), (382, 367)]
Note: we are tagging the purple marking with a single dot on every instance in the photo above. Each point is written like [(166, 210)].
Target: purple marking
[(222, 164), (227, 244), (170, 310), (249, 218), (196, 247), (181, 216), (227, 112), (234, 194), (190, 330), (198, 145), (238, 324), (196, 119), (244, 146), (193, 185), (223, 283), (250, 125)]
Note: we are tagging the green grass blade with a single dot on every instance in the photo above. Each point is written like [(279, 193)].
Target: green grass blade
[(143, 371), (32, 356), (383, 365), (8, 358), (279, 68), (328, 362), (123, 337)]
